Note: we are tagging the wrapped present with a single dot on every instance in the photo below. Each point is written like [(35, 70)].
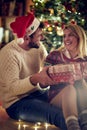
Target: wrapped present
[(84, 69), (65, 72), (77, 71)]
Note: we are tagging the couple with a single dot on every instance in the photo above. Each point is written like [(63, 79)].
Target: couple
[(24, 81)]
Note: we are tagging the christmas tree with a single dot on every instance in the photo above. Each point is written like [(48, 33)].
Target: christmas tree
[(55, 14)]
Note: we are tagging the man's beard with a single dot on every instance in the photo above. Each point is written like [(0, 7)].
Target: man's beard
[(33, 45)]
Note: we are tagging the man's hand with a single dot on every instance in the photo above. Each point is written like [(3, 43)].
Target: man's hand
[(42, 78)]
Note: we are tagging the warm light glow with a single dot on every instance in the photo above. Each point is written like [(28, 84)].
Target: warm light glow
[(1, 34), (19, 126), (46, 125), (37, 126), (24, 126), (19, 120), (59, 31), (38, 123), (83, 20), (6, 36)]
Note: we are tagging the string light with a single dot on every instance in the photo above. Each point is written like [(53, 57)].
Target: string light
[(19, 126), (46, 125), (24, 126)]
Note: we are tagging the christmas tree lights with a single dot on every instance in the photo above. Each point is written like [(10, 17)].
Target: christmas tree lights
[(55, 14)]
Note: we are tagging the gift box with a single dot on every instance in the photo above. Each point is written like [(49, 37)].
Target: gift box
[(84, 69), (65, 72)]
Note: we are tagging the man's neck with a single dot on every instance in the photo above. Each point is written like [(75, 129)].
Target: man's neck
[(25, 47)]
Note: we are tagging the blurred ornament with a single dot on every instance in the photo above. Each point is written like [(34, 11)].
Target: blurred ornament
[(73, 10), (50, 29), (63, 15), (59, 31), (63, 25), (46, 23), (56, 23), (73, 21), (51, 11)]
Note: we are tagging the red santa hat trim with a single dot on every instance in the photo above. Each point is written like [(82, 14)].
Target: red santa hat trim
[(25, 24)]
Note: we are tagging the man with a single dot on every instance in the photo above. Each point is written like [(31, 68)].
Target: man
[(21, 59)]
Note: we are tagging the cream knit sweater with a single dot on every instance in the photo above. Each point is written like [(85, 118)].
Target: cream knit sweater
[(16, 66)]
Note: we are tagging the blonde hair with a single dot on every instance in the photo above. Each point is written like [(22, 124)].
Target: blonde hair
[(81, 34)]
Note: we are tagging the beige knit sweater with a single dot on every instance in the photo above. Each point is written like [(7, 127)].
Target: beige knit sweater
[(16, 66)]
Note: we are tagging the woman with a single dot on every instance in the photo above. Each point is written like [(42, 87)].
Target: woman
[(73, 50)]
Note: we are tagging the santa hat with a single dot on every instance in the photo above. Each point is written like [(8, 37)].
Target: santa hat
[(25, 24)]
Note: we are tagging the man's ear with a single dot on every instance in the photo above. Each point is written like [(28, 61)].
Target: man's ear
[(26, 37)]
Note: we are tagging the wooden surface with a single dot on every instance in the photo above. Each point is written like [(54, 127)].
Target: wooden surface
[(7, 123), (10, 124)]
